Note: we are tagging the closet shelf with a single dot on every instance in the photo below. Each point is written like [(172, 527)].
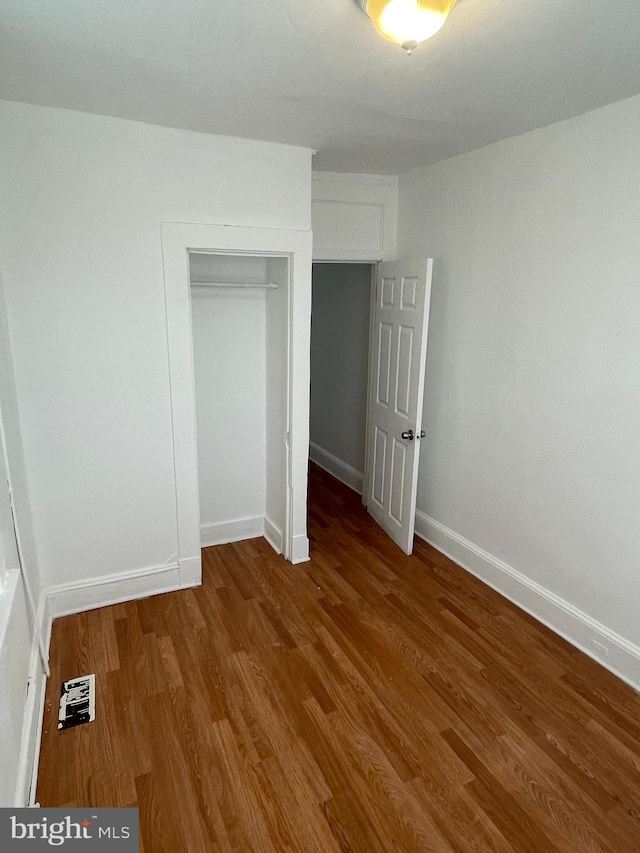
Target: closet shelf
[(240, 284)]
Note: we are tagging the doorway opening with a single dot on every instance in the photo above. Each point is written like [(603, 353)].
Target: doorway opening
[(239, 311), (368, 355), (277, 264), (340, 348)]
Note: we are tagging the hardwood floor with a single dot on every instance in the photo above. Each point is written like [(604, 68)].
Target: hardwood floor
[(364, 701)]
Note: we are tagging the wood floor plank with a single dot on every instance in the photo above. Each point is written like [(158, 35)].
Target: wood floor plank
[(365, 701)]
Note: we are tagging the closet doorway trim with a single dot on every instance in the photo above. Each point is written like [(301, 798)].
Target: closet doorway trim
[(179, 240)]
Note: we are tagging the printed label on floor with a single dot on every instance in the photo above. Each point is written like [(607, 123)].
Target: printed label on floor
[(69, 829), (77, 701)]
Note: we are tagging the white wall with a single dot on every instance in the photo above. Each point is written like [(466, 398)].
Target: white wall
[(532, 405), (339, 367), (84, 197), (229, 352), (12, 431), (354, 216), (278, 374), (240, 347), (15, 645), (21, 676)]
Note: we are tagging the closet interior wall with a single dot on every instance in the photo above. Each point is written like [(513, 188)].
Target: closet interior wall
[(239, 326)]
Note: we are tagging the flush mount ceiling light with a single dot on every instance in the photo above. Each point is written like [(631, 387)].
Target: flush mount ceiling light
[(407, 22)]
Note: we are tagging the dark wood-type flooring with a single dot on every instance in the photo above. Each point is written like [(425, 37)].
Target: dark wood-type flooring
[(364, 701)]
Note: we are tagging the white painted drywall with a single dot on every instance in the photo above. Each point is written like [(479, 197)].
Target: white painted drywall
[(532, 404), (340, 315), (14, 461), (18, 657), (15, 648), (354, 216), (277, 355), (229, 352), (84, 197), (20, 666)]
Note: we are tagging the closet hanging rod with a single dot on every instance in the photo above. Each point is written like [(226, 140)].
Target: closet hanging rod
[(241, 284)]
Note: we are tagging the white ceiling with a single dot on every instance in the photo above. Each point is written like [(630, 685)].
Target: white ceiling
[(315, 73)]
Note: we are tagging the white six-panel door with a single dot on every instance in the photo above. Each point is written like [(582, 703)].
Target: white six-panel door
[(396, 391)]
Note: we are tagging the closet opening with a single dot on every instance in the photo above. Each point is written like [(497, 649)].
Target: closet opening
[(273, 267), (239, 322), (342, 295)]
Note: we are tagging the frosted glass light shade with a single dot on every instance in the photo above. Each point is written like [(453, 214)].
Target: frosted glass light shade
[(407, 22)]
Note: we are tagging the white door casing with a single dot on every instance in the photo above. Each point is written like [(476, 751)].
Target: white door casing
[(396, 392), (178, 240)]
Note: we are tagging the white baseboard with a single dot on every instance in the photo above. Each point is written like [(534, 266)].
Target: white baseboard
[(273, 535), (31, 736), (190, 571), (560, 616), (231, 531), (33, 714), (336, 467), (77, 596), (300, 550)]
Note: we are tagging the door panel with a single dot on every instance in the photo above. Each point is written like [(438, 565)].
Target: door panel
[(384, 363), (403, 373), (379, 465), (401, 311), (398, 470)]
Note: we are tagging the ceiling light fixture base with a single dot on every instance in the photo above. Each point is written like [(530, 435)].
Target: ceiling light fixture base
[(409, 46)]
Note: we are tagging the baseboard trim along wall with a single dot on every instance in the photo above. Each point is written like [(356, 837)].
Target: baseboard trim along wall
[(32, 730), (25, 793), (190, 571), (77, 596), (575, 626), (336, 467), (231, 531), (273, 535), (299, 550)]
